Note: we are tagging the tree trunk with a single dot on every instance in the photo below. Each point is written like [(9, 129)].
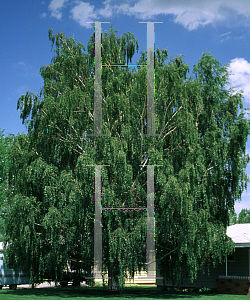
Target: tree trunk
[(113, 279)]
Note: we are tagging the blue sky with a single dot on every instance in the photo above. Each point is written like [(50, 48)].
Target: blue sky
[(190, 27)]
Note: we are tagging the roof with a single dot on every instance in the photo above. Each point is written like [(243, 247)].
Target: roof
[(240, 234)]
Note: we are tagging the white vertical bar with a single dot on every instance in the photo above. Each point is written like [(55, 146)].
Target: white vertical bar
[(97, 81), (98, 226), (150, 223), (150, 78)]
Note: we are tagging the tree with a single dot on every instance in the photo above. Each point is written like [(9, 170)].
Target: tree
[(49, 215), (203, 177), (5, 143), (52, 202), (244, 216)]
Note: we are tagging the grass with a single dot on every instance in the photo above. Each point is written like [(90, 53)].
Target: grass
[(130, 292)]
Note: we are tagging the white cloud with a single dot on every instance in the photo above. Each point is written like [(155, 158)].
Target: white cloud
[(190, 14), (239, 37), (55, 8), (226, 34), (82, 12), (21, 63), (240, 76), (107, 11), (43, 15)]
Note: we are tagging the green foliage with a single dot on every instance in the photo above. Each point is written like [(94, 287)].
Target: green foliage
[(205, 175), (232, 218), (5, 143), (244, 216), (50, 210), (46, 222)]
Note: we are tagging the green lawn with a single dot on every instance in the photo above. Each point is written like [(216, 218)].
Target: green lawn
[(142, 293)]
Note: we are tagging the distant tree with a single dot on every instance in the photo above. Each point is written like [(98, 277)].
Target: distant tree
[(244, 216), (50, 211)]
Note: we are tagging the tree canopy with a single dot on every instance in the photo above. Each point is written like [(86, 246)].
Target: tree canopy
[(5, 143), (49, 214), (244, 217)]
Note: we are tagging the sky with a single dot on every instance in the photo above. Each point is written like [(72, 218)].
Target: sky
[(190, 28)]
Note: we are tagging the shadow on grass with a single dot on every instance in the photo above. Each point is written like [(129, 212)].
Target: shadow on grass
[(100, 292)]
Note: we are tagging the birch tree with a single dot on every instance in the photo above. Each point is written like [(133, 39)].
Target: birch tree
[(5, 143), (201, 147)]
